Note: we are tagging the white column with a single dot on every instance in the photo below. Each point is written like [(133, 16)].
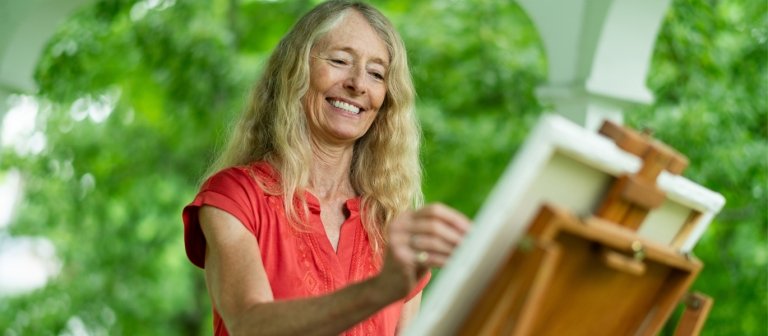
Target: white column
[(598, 53), (25, 27)]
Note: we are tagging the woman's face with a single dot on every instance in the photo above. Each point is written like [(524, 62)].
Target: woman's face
[(347, 86)]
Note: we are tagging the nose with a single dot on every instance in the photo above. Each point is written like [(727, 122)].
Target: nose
[(355, 81)]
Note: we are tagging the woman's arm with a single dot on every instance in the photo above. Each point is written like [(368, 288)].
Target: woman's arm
[(240, 291)]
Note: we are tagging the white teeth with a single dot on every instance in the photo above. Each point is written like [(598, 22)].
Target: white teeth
[(345, 106)]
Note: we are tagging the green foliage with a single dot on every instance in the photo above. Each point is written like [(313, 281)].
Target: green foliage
[(710, 75), (109, 192), (469, 137)]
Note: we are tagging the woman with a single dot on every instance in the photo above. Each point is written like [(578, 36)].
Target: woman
[(306, 227)]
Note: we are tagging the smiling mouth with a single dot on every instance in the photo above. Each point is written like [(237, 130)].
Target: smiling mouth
[(345, 106)]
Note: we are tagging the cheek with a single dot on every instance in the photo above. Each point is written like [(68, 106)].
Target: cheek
[(315, 90), (378, 96), (316, 75), (310, 102), (321, 78)]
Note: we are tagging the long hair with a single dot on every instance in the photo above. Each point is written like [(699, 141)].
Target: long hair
[(385, 169)]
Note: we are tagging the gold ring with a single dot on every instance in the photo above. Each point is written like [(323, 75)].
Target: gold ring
[(421, 257)]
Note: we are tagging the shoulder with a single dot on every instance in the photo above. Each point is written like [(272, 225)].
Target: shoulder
[(237, 191), (256, 177)]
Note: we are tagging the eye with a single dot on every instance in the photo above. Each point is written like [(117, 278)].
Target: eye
[(377, 75), (338, 61)]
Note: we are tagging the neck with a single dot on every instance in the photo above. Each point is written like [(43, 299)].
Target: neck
[(330, 171)]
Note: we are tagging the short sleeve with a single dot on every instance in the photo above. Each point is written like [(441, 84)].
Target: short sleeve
[(232, 190), (419, 286)]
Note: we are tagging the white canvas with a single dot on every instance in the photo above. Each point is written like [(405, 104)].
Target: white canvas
[(571, 167)]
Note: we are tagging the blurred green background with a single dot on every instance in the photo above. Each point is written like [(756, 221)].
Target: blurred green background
[(134, 101)]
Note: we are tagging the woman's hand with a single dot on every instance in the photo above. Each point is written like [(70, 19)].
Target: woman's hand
[(420, 240)]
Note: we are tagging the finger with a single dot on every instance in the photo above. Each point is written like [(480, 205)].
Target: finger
[(439, 229), (399, 231), (431, 244), (424, 259), (445, 213), (438, 260)]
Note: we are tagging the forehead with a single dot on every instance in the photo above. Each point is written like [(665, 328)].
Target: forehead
[(354, 34)]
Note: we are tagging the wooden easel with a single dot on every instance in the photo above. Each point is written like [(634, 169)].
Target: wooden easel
[(596, 276)]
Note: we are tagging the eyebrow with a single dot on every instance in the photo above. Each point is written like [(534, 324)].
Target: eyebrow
[(350, 50)]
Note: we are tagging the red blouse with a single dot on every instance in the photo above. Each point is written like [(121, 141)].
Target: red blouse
[(298, 263)]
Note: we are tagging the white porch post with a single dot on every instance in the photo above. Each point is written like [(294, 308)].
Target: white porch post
[(598, 53), (25, 27)]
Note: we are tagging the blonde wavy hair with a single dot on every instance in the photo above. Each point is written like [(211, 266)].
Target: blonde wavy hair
[(385, 170)]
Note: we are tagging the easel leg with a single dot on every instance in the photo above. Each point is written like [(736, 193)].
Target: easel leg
[(697, 307)]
